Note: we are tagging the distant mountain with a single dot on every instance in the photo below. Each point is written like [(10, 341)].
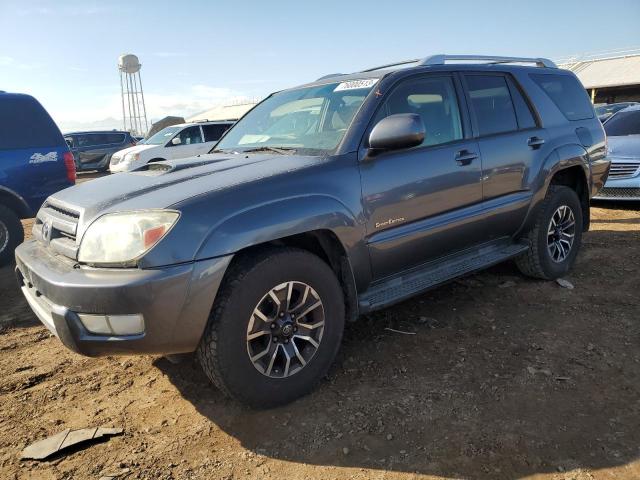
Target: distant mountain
[(109, 123)]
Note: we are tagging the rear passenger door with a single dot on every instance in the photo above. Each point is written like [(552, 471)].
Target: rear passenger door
[(87, 149), (512, 146)]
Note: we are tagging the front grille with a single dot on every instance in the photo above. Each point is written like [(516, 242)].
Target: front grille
[(56, 226), (609, 192), (623, 169)]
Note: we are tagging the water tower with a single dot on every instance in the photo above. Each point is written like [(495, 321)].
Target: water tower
[(134, 112)]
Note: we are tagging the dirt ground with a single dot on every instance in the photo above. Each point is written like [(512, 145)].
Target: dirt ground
[(502, 377)]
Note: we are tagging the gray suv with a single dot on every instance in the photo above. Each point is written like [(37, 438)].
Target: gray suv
[(326, 201), (93, 150)]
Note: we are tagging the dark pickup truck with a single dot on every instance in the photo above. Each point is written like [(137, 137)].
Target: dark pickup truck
[(326, 201)]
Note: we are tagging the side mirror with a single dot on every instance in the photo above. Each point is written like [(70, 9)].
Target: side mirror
[(176, 141), (402, 130)]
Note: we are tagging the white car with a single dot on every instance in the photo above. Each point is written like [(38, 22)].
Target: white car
[(176, 141)]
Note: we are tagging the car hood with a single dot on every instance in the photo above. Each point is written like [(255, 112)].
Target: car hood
[(163, 184), (627, 146), (136, 149)]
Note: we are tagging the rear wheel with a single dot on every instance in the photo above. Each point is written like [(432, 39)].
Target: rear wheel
[(11, 234), (556, 236), (275, 328)]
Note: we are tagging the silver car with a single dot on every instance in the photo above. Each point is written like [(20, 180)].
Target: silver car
[(623, 135)]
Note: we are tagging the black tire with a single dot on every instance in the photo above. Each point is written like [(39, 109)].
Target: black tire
[(537, 262), (223, 350), (11, 234)]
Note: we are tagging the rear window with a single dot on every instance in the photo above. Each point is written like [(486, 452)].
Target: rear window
[(212, 133), (567, 93), (623, 124), (25, 124)]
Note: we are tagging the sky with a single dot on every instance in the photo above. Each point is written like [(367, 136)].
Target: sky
[(196, 54)]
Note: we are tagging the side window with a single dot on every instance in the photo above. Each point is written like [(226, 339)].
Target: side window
[(99, 139), (114, 138), (491, 104), (434, 99), (567, 93), (523, 111), (190, 135), (213, 132), (84, 140)]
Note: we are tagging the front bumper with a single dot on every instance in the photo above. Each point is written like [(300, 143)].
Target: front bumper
[(620, 189), (174, 301)]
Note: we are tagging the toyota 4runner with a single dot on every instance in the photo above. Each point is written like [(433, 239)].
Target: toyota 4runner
[(326, 201)]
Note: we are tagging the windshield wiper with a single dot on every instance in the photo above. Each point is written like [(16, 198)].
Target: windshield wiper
[(278, 150), (220, 150)]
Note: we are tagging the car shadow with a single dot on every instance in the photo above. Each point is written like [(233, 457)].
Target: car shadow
[(14, 309), (616, 205), (496, 376)]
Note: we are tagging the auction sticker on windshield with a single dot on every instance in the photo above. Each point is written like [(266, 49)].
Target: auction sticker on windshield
[(356, 84)]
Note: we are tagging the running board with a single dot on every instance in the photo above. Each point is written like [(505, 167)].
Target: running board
[(435, 273)]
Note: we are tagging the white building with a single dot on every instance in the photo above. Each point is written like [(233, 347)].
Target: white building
[(230, 111), (608, 77)]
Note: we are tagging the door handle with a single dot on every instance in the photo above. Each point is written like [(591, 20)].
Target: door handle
[(465, 157), (535, 142)]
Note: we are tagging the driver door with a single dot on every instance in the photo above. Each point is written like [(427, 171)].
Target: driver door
[(417, 200)]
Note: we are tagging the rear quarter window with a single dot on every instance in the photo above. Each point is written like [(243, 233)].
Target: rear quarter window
[(213, 132), (567, 93), (24, 123)]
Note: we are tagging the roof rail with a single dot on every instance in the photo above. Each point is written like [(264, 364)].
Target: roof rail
[(396, 64), (442, 59), (330, 76)]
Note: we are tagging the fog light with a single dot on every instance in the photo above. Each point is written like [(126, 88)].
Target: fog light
[(113, 324)]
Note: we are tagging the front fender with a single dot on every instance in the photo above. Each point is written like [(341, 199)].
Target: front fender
[(282, 218)]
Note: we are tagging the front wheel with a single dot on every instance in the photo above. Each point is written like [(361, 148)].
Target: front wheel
[(555, 237), (11, 234), (275, 328)]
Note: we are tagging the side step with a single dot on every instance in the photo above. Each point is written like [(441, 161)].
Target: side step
[(400, 287)]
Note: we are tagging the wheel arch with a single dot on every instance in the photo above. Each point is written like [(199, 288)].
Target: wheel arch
[(15, 202), (318, 224), (566, 165)]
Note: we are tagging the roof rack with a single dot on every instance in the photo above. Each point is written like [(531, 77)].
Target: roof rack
[(396, 64), (443, 59)]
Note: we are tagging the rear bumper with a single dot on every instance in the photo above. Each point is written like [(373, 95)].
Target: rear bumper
[(174, 302)]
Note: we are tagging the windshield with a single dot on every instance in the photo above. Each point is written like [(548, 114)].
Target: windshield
[(623, 123), (163, 136), (312, 118)]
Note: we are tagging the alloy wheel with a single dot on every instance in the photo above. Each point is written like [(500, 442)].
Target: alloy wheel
[(4, 236), (285, 329), (561, 233)]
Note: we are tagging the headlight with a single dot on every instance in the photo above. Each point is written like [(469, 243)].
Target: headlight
[(130, 157), (121, 238)]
